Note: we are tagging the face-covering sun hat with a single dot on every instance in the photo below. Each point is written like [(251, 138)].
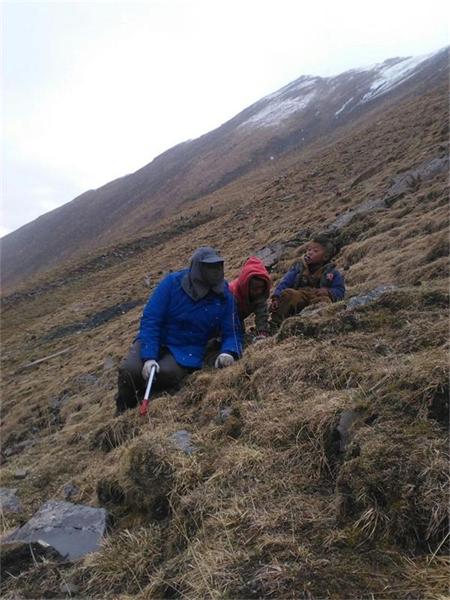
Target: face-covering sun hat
[(194, 283)]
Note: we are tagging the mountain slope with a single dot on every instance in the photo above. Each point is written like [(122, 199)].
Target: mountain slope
[(301, 113), (273, 504)]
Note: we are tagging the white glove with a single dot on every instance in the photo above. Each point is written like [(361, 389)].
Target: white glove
[(224, 360), (148, 367)]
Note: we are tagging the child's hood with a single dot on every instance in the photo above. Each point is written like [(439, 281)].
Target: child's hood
[(253, 267)]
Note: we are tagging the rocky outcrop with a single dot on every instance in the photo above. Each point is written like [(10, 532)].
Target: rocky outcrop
[(401, 183), (363, 299), (412, 179)]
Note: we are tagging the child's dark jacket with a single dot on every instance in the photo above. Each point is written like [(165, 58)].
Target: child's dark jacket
[(326, 276)]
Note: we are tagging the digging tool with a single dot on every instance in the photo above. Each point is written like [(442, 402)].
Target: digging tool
[(144, 404)]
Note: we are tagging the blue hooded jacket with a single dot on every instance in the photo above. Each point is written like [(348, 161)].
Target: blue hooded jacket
[(173, 319)]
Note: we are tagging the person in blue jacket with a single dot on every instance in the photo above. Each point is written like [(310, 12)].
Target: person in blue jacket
[(185, 310), (311, 280)]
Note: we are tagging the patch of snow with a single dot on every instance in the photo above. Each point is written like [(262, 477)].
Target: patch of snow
[(363, 69), (343, 107), (275, 112), (390, 75), (304, 83)]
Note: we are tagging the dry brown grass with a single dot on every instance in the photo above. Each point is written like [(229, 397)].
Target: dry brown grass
[(125, 562), (267, 506), (115, 433), (396, 487)]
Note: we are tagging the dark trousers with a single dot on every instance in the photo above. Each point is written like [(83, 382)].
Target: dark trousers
[(131, 385)]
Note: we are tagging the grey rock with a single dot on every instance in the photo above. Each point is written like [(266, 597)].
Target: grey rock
[(182, 440), (371, 296), (20, 447), (70, 490), (224, 414), (108, 363), (69, 588), (9, 501), (86, 379), (314, 309), (271, 254), (21, 473), (344, 428), (72, 530), (362, 209), (288, 198), (381, 348), (58, 401), (303, 235), (400, 185)]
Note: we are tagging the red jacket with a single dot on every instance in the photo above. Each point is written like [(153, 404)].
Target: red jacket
[(253, 267)]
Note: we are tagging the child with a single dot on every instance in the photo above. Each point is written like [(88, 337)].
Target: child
[(311, 280), (251, 291)]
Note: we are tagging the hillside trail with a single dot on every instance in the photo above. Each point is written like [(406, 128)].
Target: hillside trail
[(271, 502)]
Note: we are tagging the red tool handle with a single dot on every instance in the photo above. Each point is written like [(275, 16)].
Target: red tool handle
[(143, 408)]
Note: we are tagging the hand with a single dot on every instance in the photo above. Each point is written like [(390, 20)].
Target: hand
[(224, 360), (274, 304), (148, 367)]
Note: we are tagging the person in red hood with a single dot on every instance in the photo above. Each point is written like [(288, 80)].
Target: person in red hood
[(251, 291)]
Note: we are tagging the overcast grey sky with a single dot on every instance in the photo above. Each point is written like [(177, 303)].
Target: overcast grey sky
[(95, 90)]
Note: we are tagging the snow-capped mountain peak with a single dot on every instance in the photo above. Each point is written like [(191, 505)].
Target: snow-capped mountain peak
[(339, 94)]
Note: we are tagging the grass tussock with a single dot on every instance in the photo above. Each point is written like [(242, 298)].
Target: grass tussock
[(430, 574), (125, 563), (114, 434), (410, 387), (396, 488), (151, 474)]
